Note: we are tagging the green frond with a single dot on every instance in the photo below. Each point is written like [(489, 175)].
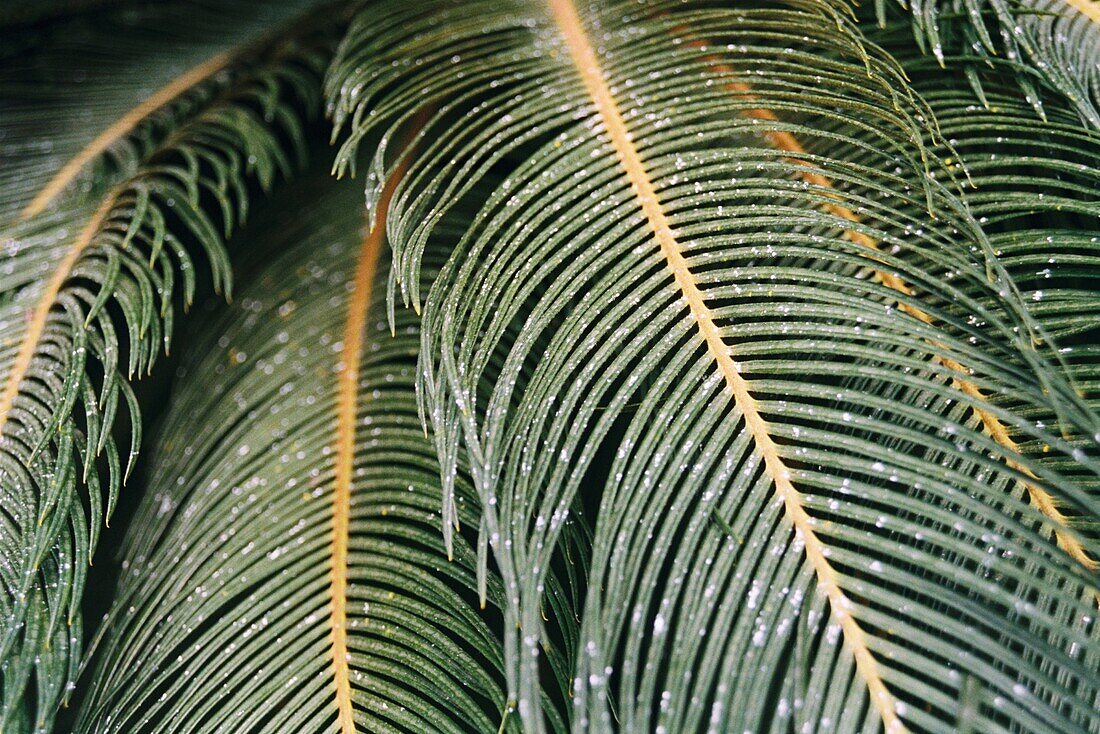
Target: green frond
[(69, 83), (723, 254), (224, 619), (1034, 187), (91, 273), (747, 377), (1051, 45)]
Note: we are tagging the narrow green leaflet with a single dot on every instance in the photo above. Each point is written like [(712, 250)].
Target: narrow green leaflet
[(727, 296), (126, 159), (1049, 44), (1035, 189), (286, 571)]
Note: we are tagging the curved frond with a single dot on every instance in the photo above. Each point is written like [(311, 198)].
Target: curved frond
[(96, 262), (723, 255), (1034, 187), (287, 571), (1050, 44)]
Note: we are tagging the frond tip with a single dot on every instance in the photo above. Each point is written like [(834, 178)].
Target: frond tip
[(1053, 45), (121, 128)]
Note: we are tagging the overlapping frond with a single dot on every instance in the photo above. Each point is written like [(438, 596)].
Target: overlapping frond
[(722, 255), (287, 570), (1034, 188), (1050, 44), (96, 252)]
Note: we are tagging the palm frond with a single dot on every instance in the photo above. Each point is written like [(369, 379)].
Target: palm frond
[(104, 251), (723, 254), (89, 98), (1051, 44), (1034, 188), (287, 571)]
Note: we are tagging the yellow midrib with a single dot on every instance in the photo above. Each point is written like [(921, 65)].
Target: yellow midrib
[(55, 186), (346, 409), (347, 404), (1091, 8), (1039, 497), (588, 66), (122, 127)]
